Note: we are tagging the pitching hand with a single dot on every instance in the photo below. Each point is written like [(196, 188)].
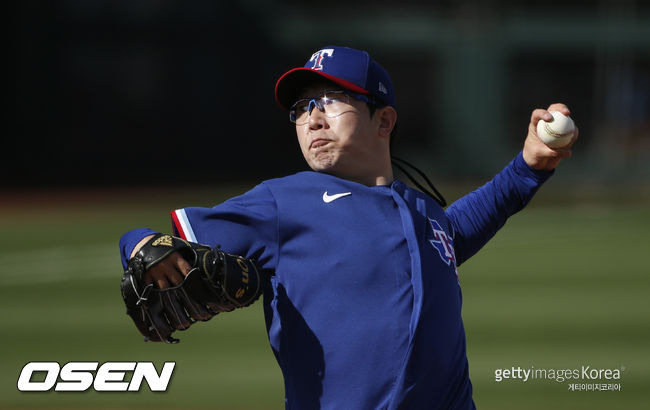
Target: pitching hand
[(537, 154)]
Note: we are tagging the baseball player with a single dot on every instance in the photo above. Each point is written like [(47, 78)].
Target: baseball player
[(358, 270)]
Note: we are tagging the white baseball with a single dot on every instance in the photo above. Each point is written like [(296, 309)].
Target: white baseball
[(557, 132)]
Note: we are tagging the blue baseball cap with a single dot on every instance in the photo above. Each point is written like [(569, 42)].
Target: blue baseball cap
[(351, 69)]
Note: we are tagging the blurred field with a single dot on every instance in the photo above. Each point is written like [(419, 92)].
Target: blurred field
[(559, 287)]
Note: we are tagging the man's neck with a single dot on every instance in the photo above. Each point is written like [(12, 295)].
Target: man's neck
[(377, 173), (383, 178)]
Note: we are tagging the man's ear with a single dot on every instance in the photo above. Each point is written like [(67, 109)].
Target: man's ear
[(387, 118)]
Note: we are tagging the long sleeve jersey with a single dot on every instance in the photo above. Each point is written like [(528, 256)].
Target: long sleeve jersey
[(363, 301)]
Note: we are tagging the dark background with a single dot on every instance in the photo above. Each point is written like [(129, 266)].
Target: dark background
[(106, 93)]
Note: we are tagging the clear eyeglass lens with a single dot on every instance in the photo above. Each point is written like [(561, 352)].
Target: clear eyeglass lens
[(331, 103)]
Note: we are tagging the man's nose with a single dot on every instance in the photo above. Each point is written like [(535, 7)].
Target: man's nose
[(312, 104), (317, 117)]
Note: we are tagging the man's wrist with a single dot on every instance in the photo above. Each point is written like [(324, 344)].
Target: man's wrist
[(129, 240), (139, 245), (522, 168)]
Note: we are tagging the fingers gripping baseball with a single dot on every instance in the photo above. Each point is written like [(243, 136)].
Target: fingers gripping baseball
[(539, 155)]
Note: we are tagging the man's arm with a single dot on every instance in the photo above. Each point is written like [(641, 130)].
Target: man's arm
[(476, 217), (244, 225)]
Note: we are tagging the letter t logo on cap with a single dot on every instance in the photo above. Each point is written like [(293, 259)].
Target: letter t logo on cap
[(317, 57)]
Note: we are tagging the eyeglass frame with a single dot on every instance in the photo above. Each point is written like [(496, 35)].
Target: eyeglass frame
[(357, 96)]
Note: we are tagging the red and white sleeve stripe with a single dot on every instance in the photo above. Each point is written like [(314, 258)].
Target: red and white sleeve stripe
[(182, 225)]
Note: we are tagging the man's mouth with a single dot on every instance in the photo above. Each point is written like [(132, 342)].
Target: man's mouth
[(319, 142)]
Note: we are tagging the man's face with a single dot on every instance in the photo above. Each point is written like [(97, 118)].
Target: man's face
[(346, 145)]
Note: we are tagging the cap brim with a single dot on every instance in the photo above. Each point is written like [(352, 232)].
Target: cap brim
[(291, 84)]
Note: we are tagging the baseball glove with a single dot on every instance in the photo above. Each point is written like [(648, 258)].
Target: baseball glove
[(218, 282)]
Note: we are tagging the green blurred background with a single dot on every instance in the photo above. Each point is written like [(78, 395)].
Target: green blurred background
[(564, 284), (105, 94)]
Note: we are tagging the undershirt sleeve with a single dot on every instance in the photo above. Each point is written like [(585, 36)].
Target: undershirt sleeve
[(476, 217)]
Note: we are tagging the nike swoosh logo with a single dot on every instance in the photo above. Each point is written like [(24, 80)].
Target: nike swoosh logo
[(329, 198)]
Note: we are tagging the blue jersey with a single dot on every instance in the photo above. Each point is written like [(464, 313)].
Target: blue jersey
[(363, 308)]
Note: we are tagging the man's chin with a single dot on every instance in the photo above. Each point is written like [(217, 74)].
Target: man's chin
[(325, 165)]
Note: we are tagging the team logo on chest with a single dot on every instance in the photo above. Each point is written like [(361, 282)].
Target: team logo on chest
[(442, 242)]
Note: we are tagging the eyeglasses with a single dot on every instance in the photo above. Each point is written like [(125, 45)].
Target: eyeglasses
[(331, 103)]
